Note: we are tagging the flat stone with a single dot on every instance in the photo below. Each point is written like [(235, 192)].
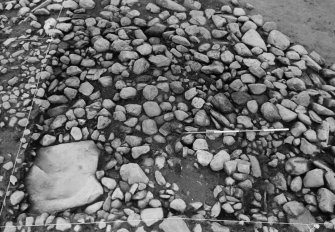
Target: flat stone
[(174, 224), (297, 166), (136, 152), (63, 177), (252, 38), (132, 173), (314, 178), (87, 4), (326, 200), (286, 114), (160, 61), (170, 5), (152, 215), (178, 205), (298, 215), (279, 40), (180, 40)]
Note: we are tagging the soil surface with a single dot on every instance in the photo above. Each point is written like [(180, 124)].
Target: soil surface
[(308, 22)]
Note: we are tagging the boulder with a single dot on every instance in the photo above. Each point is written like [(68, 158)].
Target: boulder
[(63, 177)]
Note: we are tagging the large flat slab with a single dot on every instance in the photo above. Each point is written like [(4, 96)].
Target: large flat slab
[(63, 177)]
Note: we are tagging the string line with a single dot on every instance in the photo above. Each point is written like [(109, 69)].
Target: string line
[(313, 225), (25, 128)]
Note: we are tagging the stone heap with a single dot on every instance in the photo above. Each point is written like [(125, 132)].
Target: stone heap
[(132, 81)]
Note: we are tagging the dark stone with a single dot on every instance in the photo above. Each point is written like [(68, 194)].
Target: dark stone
[(240, 98), (222, 103)]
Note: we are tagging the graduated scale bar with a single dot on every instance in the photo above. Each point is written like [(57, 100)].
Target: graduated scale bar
[(236, 131)]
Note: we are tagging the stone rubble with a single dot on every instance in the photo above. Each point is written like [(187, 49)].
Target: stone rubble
[(117, 89)]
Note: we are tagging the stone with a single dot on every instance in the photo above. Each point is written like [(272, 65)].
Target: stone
[(308, 148), (174, 224), (204, 157), (180, 40), (257, 89), (87, 4), (296, 84), (170, 5), (101, 45), (279, 40), (16, 197), (178, 205), (270, 112), (218, 160), (245, 121), (91, 209), (47, 140), (63, 177), (128, 92), (86, 88), (297, 166), (298, 129), (76, 133), (160, 61), (149, 127), (177, 87), (255, 166), (150, 92), (132, 173), (222, 103), (296, 184), (252, 38), (321, 110), (286, 114), (136, 152), (62, 224), (103, 122), (201, 118), (298, 215), (314, 178), (152, 109), (151, 215), (326, 200), (141, 66), (200, 144)]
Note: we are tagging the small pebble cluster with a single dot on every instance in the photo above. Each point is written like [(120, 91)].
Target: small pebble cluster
[(133, 76)]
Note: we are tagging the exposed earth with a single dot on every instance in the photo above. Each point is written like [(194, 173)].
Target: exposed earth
[(121, 84)]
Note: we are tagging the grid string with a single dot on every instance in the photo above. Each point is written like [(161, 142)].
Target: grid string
[(25, 128)]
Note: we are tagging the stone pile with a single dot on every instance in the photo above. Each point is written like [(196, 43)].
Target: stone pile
[(132, 81)]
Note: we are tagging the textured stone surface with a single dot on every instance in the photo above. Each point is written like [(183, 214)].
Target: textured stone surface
[(63, 177)]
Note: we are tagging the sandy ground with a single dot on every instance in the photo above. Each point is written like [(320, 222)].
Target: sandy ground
[(308, 22)]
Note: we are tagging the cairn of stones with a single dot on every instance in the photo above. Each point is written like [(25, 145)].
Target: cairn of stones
[(105, 92)]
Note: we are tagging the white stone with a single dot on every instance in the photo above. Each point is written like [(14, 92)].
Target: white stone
[(63, 177)]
